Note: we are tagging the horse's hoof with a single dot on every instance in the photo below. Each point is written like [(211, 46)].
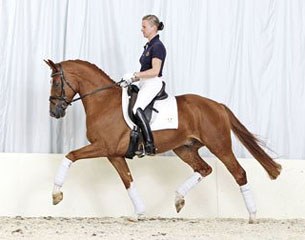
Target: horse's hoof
[(57, 197), (252, 219), (136, 218), (132, 219), (141, 217), (179, 202)]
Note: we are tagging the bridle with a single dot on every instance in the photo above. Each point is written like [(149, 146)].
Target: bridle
[(64, 82)]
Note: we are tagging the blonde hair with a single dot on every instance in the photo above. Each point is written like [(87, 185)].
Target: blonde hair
[(154, 20)]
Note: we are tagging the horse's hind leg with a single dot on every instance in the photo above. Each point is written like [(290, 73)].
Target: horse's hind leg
[(122, 168), (226, 155), (189, 154)]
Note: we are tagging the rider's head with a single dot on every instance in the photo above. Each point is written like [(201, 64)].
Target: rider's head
[(151, 25)]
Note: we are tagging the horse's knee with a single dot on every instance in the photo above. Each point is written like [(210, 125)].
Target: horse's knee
[(241, 177), (71, 156), (76, 155)]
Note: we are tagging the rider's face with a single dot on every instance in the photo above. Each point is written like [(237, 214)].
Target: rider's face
[(148, 30)]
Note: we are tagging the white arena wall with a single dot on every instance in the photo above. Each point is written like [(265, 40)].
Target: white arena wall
[(93, 188)]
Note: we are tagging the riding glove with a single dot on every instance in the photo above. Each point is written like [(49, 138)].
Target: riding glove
[(127, 79)]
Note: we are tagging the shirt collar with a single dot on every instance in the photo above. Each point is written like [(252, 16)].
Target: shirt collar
[(154, 39)]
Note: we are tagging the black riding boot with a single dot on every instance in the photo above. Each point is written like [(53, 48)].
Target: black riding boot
[(146, 131)]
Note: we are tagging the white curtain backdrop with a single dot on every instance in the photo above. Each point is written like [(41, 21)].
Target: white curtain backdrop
[(247, 54)]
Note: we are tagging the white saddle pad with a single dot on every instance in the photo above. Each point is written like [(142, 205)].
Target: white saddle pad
[(166, 118)]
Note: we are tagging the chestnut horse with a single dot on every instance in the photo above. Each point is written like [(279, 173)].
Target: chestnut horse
[(202, 122)]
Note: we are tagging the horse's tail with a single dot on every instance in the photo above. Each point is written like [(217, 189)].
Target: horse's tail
[(252, 144)]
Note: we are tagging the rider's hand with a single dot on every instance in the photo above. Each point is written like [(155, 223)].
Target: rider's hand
[(128, 76), (127, 79), (125, 83)]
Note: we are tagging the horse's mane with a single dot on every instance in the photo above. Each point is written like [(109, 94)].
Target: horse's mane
[(90, 65)]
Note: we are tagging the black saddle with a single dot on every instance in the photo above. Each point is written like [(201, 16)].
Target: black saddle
[(132, 92), (136, 137)]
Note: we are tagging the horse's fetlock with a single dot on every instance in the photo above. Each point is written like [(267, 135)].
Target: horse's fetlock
[(241, 178), (206, 171), (71, 156)]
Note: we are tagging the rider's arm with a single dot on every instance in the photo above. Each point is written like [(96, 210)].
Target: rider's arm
[(150, 73)]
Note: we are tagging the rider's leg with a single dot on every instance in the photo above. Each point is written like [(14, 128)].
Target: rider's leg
[(147, 134), (149, 88)]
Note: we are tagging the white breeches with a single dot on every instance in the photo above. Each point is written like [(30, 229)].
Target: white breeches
[(149, 88)]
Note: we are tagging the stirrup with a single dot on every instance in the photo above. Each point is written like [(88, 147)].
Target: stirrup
[(141, 151), (150, 149)]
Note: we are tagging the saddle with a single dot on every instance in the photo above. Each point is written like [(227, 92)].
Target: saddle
[(135, 136)]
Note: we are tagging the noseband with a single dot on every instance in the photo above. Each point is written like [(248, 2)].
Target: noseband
[(63, 96)]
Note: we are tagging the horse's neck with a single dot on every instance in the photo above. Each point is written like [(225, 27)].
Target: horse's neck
[(88, 76), (100, 100), (91, 82), (89, 79)]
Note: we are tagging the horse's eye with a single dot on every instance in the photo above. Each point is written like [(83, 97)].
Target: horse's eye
[(55, 83)]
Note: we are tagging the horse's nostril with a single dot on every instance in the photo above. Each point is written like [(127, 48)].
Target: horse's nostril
[(64, 105)]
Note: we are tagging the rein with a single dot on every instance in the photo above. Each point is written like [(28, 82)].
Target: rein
[(63, 97), (95, 91)]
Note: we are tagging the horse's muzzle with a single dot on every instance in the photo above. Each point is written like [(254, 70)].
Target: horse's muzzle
[(58, 112)]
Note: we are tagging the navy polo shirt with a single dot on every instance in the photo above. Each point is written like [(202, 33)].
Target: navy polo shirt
[(153, 49)]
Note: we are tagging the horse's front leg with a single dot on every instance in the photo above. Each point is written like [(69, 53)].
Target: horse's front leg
[(92, 151), (89, 151), (122, 168)]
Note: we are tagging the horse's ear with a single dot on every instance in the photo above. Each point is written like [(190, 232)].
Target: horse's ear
[(51, 64)]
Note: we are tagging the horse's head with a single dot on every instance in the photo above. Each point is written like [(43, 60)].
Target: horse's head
[(62, 91)]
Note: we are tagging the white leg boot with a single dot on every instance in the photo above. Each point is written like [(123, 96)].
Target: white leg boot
[(137, 202), (249, 201), (185, 188), (59, 180)]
